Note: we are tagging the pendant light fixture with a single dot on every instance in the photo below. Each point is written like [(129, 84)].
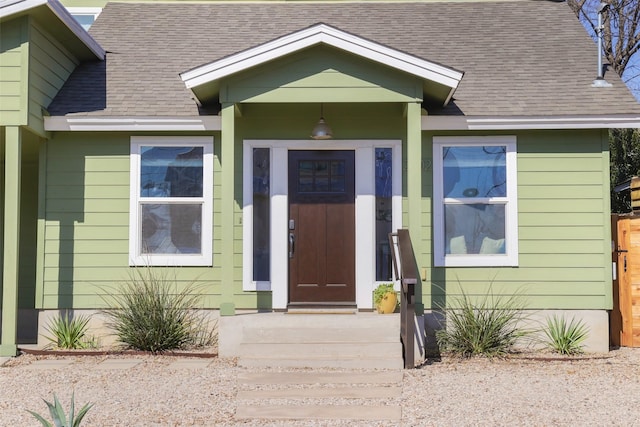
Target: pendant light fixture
[(321, 129)]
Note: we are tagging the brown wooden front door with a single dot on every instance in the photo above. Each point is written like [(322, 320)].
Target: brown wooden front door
[(321, 227)]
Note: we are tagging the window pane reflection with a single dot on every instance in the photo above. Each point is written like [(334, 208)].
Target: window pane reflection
[(171, 228), (475, 229), (475, 172), (171, 172)]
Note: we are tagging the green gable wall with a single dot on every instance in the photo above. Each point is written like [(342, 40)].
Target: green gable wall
[(33, 68), (50, 64), (319, 74), (14, 59), (564, 226)]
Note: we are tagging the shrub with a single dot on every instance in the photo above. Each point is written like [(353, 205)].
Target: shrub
[(565, 338), (150, 314), (58, 415), (488, 327), (69, 332)]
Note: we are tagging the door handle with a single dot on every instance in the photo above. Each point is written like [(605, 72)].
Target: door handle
[(292, 244)]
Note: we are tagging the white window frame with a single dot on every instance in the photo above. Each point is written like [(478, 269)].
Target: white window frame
[(136, 257), (510, 258)]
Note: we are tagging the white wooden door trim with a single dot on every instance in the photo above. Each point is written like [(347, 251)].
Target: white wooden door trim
[(364, 207)]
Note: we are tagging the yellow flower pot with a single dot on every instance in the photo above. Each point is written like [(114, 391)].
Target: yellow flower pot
[(388, 303)]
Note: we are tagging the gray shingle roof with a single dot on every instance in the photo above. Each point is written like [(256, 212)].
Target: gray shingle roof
[(519, 58)]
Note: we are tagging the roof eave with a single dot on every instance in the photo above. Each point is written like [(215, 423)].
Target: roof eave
[(618, 121)]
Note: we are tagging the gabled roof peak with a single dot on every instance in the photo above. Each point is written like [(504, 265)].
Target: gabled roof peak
[(322, 33)]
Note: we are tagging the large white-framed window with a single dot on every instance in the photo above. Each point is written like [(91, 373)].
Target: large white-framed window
[(475, 201), (170, 220)]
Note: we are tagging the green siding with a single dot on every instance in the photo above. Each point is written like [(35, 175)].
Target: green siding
[(50, 64), (13, 71), (320, 74), (85, 242), (563, 229)]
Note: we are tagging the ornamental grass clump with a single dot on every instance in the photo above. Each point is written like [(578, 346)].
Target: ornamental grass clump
[(151, 313), (488, 326), (69, 332), (565, 338)]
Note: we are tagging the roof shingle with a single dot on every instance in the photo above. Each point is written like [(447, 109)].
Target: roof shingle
[(520, 58)]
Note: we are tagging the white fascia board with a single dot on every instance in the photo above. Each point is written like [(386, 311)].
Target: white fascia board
[(321, 34), (66, 17), (83, 124), (534, 122), (12, 7), (8, 8)]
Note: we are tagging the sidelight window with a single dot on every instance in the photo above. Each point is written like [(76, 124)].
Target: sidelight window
[(383, 211)]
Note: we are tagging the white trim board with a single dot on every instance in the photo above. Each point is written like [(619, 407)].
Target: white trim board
[(365, 212), (108, 124), (529, 122), (214, 123)]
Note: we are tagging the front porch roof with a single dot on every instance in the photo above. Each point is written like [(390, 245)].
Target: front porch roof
[(436, 77)]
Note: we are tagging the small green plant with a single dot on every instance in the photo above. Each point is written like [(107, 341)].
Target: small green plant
[(486, 327), (381, 291), (151, 314), (59, 417), (69, 332), (565, 338)]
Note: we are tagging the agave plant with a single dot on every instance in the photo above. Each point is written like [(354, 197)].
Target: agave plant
[(59, 417), (69, 332)]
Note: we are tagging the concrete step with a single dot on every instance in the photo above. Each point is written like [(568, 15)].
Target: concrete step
[(260, 334), (320, 412), (363, 340), (325, 349), (372, 396), (323, 362), (313, 377)]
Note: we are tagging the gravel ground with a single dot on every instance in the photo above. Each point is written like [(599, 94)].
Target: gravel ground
[(598, 390)]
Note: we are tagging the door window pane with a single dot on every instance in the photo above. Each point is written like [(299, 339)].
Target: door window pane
[(261, 214), (321, 176), (383, 174)]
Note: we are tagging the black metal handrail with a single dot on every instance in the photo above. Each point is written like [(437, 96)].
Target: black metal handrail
[(406, 269)]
